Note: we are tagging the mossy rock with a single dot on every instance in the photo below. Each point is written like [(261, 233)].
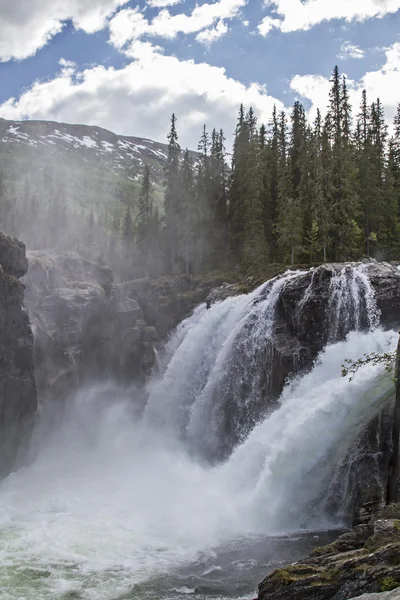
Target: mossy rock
[(389, 583)]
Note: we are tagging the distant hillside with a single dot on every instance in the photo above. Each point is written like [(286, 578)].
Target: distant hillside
[(83, 145), (49, 170)]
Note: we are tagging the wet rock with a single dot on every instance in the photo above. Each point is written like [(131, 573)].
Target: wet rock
[(12, 256), (226, 290), (365, 560), (393, 595), (18, 400), (85, 326), (166, 301)]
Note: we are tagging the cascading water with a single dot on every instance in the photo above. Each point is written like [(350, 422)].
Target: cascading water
[(120, 507), (352, 302), (219, 359)]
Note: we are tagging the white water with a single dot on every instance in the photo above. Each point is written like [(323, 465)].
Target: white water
[(224, 356), (352, 300), (111, 500)]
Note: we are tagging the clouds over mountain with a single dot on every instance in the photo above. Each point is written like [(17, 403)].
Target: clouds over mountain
[(175, 56), (140, 97)]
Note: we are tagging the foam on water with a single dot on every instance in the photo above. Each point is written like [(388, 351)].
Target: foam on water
[(113, 499)]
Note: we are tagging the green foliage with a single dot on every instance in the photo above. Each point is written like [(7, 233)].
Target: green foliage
[(389, 583), (350, 368), (294, 192)]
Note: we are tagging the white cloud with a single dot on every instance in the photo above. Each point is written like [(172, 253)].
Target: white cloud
[(163, 3), (27, 25), (139, 98), (208, 36), (349, 50), (383, 83), (127, 25), (130, 24), (267, 24), (295, 15)]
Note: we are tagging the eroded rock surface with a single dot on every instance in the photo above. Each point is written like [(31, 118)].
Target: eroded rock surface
[(18, 401)]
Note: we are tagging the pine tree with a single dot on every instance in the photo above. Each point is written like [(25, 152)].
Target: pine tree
[(255, 252), (289, 224), (173, 233), (145, 206), (271, 210), (342, 184), (190, 214), (218, 200), (127, 227), (237, 186)]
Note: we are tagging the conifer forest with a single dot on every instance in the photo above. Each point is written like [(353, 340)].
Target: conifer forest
[(291, 192)]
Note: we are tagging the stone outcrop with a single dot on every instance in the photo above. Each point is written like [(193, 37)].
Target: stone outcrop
[(18, 401), (166, 301), (85, 327), (364, 560)]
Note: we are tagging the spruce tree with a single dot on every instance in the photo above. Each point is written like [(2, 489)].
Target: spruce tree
[(237, 186), (289, 224), (343, 184), (191, 217), (173, 228), (255, 252)]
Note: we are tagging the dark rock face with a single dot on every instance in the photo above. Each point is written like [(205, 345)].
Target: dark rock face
[(165, 302), (85, 327), (18, 401), (307, 319), (365, 560), (13, 256), (305, 305)]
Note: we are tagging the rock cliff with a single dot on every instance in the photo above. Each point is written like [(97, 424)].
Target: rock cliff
[(85, 328), (88, 328), (18, 402)]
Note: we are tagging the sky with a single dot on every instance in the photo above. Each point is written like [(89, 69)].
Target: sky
[(127, 66)]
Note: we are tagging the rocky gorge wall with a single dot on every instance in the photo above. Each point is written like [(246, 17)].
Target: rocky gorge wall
[(89, 328), (18, 400)]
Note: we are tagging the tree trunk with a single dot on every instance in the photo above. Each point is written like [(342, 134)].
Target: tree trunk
[(394, 463)]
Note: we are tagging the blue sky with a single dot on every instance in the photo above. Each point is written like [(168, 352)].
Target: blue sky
[(127, 65)]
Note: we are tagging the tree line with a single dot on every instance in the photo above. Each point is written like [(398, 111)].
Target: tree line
[(290, 192), (294, 191)]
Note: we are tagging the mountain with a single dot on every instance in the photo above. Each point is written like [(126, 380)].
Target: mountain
[(83, 144), (58, 180)]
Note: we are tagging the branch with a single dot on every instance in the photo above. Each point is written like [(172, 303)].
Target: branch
[(350, 368)]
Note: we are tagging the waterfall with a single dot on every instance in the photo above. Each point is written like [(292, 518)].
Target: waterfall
[(115, 498), (352, 302), (218, 370)]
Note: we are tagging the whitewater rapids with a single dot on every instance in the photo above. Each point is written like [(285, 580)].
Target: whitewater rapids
[(114, 500)]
